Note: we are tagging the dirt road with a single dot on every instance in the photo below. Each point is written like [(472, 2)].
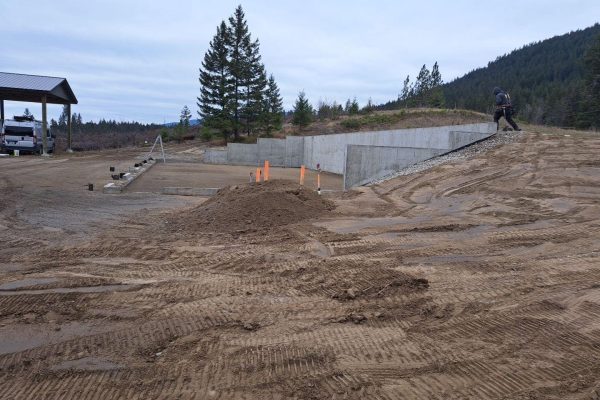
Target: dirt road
[(476, 279)]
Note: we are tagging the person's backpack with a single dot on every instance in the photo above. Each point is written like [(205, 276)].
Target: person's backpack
[(509, 104)]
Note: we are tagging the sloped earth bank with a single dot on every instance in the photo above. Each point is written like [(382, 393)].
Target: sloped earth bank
[(476, 279)]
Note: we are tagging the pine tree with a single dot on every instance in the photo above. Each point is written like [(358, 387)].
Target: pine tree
[(62, 119), (233, 80), (254, 82), (214, 102), (404, 95), (369, 107), (436, 94), (347, 106), (239, 40), (272, 113), (589, 116), (354, 107), (422, 86), (185, 116), (27, 113), (303, 111)]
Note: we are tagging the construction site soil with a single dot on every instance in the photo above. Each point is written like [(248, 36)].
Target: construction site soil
[(254, 208), (475, 279)]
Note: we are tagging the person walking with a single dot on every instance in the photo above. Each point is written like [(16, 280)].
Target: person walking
[(504, 109)]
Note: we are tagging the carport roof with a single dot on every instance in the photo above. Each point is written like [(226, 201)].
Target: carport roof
[(31, 88)]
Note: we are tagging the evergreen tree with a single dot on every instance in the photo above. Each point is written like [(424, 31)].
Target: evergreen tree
[(233, 80), (422, 86), (214, 102), (303, 111), (589, 115), (436, 93), (62, 119), (354, 107), (237, 45), (272, 113), (347, 106), (27, 113), (183, 125), (369, 107), (546, 80), (185, 116), (406, 89), (254, 82)]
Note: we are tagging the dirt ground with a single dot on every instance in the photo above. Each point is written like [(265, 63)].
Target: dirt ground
[(476, 279), (197, 175)]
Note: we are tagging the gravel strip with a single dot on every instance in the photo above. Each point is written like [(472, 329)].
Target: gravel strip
[(499, 139)]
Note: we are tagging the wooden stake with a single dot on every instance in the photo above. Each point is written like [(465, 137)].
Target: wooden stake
[(302, 171), (257, 175)]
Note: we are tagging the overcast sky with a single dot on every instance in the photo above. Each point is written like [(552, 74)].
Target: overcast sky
[(138, 60)]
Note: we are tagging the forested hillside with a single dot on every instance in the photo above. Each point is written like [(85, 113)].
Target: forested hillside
[(550, 82)]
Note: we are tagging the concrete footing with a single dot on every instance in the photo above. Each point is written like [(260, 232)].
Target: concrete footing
[(116, 187)]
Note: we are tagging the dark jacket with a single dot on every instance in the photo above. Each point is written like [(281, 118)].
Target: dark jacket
[(501, 99)]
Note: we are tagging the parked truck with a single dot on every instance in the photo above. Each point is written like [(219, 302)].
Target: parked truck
[(24, 133)]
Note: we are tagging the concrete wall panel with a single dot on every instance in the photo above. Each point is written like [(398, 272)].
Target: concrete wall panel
[(367, 163), (242, 154), (272, 150), (460, 139), (215, 156), (330, 150), (294, 151)]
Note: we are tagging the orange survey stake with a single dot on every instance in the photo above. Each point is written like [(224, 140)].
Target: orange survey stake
[(257, 175), (267, 166), (302, 170)]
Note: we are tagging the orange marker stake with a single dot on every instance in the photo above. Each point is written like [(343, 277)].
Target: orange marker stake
[(257, 175), (302, 170), (267, 165)]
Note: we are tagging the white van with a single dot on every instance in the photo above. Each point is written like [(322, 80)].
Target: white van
[(24, 134)]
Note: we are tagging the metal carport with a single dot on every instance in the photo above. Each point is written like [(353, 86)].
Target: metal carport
[(37, 89)]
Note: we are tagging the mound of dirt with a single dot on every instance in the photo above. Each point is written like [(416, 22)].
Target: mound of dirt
[(249, 207)]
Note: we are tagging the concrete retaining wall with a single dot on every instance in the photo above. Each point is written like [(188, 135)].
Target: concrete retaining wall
[(272, 150), (294, 151), (460, 139), (366, 163), (242, 154), (330, 150), (215, 156)]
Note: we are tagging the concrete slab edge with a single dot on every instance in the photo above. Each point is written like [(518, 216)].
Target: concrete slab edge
[(116, 187)]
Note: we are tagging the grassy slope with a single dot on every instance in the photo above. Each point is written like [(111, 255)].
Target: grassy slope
[(385, 120)]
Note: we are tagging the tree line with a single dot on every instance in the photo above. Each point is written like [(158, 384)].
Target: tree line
[(235, 94), (551, 82)]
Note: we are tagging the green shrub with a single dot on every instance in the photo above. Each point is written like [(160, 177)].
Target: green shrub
[(353, 123), (206, 134)]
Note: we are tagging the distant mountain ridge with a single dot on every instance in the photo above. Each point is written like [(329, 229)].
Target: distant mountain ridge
[(193, 122), (544, 79)]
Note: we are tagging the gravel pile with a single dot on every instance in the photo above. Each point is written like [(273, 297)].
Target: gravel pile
[(499, 139)]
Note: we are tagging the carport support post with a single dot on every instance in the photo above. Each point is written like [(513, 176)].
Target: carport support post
[(44, 128), (69, 131), (1, 113)]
